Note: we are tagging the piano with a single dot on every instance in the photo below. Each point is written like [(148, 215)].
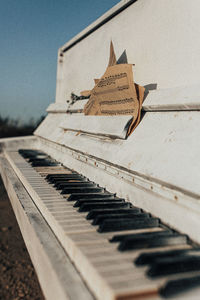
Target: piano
[(104, 216)]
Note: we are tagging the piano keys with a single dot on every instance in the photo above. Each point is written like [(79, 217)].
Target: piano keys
[(124, 250)]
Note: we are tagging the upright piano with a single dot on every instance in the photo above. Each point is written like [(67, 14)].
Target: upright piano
[(104, 216)]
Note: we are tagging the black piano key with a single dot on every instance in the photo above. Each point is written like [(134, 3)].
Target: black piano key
[(27, 155), (80, 202), (96, 212), (100, 218), (78, 196), (173, 265), (57, 176), (36, 163), (71, 182), (150, 258), (116, 225), (66, 179), (82, 190), (35, 159), (50, 177), (44, 163), (74, 184), (89, 206), (177, 286), (60, 181), (122, 237), (38, 158), (159, 240), (30, 153)]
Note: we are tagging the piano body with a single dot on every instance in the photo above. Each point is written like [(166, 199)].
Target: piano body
[(156, 169)]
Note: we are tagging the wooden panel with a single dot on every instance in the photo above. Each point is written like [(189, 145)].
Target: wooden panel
[(58, 107), (162, 148), (113, 126), (50, 125), (179, 98), (15, 143), (161, 200), (78, 106), (167, 55)]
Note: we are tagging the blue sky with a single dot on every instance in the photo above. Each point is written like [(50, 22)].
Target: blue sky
[(31, 31)]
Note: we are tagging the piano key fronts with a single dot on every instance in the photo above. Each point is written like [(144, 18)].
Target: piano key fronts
[(126, 251)]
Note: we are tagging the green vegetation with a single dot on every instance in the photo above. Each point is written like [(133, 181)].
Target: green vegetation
[(11, 128)]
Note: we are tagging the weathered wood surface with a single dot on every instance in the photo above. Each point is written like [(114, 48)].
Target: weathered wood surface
[(173, 99), (78, 106), (15, 143), (164, 201), (162, 148), (57, 275), (165, 50), (57, 107), (113, 126)]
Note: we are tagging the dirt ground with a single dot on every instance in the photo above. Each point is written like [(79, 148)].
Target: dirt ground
[(17, 276)]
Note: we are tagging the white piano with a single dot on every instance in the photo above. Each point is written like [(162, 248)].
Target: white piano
[(74, 182)]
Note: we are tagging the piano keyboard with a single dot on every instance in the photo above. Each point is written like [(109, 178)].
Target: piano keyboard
[(121, 251)]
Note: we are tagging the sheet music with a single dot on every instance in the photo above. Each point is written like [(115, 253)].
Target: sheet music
[(114, 94)]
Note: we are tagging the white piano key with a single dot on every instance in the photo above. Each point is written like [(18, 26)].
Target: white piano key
[(73, 222)]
